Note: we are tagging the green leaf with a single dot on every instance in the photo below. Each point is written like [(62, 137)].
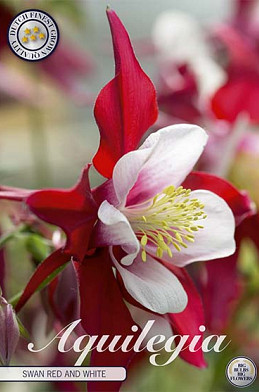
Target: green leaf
[(23, 331), (14, 300), (52, 276)]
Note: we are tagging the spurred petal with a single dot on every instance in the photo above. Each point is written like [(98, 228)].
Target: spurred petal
[(165, 158), (45, 269), (15, 194), (215, 240), (153, 285), (74, 210), (126, 107), (188, 321), (239, 201), (115, 229), (103, 312)]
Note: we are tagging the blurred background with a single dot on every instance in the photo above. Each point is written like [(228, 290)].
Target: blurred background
[(203, 59)]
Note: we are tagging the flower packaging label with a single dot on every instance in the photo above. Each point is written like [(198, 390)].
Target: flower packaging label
[(129, 151)]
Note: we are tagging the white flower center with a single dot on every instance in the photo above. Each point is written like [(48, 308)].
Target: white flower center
[(170, 218)]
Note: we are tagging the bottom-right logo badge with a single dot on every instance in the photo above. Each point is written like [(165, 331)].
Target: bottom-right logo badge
[(241, 372)]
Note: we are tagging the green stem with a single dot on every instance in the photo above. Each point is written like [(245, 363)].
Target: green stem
[(14, 300)]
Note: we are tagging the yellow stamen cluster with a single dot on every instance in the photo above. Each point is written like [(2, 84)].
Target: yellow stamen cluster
[(170, 218)]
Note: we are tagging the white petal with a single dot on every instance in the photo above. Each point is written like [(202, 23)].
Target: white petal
[(127, 169), (165, 158), (114, 229), (216, 240), (153, 285)]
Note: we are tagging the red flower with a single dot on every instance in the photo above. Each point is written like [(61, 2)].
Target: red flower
[(239, 38)]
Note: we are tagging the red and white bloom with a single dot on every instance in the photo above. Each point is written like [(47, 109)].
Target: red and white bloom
[(148, 219), (150, 215), (170, 30)]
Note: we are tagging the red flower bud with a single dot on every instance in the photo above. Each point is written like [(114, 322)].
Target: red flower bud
[(9, 331)]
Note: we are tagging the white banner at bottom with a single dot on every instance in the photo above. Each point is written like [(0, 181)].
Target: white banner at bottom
[(42, 373)]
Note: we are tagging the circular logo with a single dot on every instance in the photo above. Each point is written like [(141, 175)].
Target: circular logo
[(33, 35), (241, 372)]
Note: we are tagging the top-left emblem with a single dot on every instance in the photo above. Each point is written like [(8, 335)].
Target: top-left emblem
[(33, 35)]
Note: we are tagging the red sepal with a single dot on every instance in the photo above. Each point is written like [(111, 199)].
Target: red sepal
[(103, 312), (74, 210), (126, 107), (239, 201), (188, 321)]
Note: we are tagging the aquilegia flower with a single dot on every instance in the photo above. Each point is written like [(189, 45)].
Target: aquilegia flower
[(150, 215)]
